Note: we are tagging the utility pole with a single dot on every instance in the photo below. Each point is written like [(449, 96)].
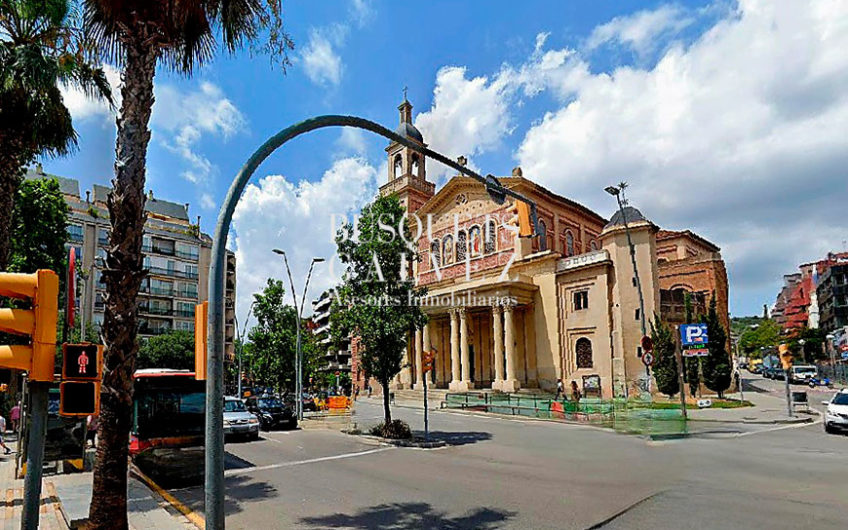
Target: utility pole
[(241, 345)]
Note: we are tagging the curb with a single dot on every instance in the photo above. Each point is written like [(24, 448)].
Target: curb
[(757, 422), (418, 444), (194, 518)]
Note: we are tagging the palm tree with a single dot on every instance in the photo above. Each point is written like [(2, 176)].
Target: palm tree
[(138, 35), (41, 48)]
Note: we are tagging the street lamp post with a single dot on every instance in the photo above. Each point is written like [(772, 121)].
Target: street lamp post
[(298, 385), (241, 345), (616, 192)]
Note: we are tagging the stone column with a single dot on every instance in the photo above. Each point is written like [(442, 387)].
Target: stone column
[(497, 332), (454, 351), (463, 349), (511, 383), (419, 372)]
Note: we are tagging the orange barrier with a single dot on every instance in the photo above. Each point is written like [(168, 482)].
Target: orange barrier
[(337, 402)]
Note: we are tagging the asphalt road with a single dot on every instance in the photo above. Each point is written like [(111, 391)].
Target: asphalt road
[(500, 473)]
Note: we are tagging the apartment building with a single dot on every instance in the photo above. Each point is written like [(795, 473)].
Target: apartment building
[(335, 358), (177, 257)]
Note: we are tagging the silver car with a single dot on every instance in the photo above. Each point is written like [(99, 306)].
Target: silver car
[(238, 421)]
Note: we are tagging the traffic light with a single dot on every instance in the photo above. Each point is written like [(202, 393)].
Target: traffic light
[(785, 356), (428, 358), (201, 311), (521, 218), (82, 369), (39, 323)]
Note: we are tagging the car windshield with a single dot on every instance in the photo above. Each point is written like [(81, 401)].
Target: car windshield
[(233, 405), (805, 369), (840, 399), (270, 403)]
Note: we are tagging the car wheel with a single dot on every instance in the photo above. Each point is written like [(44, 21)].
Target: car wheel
[(292, 425), (254, 436), (828, 429)]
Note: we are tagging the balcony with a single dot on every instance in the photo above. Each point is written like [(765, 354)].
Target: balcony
[(103, 241), (186, 294), (164, 311), (158, 291), (75, 238), (147, 330), (193, 256), (174, 273)]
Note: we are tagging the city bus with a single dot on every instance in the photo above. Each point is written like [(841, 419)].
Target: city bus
[(166, 440)]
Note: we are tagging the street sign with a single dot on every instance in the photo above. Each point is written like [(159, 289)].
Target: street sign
[(691, 334), (648, 358), (647, 344)]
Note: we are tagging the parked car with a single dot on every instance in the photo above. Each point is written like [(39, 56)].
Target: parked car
[(802, 373), (238, 421), (755, 368), (836, 415), (768, 372), (309, 402), (272, 413), (779, 374)]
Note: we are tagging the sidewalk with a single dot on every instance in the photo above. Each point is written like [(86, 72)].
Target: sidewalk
[(66, 498), (767, 409)]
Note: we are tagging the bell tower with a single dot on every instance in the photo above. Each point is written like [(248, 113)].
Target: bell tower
[(407, 173)]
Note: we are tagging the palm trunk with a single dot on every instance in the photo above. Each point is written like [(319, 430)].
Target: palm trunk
[(123, 278), (10, 179), (387, 412)]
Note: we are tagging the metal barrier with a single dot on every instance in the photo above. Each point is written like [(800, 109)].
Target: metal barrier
[(624, 416)]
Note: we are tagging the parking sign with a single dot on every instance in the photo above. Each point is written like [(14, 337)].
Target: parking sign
[(691, 334)]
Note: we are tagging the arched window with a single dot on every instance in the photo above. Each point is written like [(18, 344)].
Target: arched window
[(543, 236), (475, 241), (461, 246), (569, 243), (396, 167), (593, 245), (583, 347), (491, 234), (435, 260), (447, 252), (415, 164)]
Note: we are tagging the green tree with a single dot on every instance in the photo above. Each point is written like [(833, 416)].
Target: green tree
[(716, 365), (765, 334), (665, 358), (812, 348), (173, 350), (41, 48), (139, 35), (269, 356), (39, 228), (376, 298)]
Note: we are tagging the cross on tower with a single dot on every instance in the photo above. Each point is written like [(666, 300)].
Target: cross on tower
[(404, 93)]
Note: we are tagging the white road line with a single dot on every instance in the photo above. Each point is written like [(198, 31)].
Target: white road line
[(247, 470), (782, 427)]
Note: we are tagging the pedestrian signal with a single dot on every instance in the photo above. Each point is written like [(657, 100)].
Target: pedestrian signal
[(785, 356), (201, 314), (79, 398), (82, 361)]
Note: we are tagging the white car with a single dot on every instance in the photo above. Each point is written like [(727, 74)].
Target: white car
[(238, 421), (836, 415)]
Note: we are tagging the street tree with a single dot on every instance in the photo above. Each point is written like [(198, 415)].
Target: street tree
[(138, 35), (375, 301), (716, 366), (42, 47), (269, 355), (174, 350), (39, 228), (665, 359), (765, 334)]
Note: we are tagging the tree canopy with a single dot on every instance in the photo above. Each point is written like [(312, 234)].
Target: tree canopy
[(765, 334), (377, 298), (39, 228), (665, 359), (173, 350), (716, 366)]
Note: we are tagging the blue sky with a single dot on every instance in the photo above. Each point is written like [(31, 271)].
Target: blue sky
[(723, 116)]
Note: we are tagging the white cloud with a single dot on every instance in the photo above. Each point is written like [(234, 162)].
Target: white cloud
[(298, 218), (352, 141), (83, 107), (207, 202), (361, 11), (641, 31), (321, 62), (182, 117), (737, 136), (468, 116)]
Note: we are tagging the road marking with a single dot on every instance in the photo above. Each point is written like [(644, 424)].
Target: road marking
[(197, 519), (782, 427), (247, 470)]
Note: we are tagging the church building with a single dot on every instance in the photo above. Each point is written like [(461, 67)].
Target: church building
[(509, 313)]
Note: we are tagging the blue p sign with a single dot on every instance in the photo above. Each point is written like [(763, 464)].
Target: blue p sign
[(693, 334)]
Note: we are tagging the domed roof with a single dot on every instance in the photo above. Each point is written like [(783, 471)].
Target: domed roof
[(631, 214), (408, 130)]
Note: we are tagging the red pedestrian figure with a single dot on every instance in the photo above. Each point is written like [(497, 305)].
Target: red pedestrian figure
[(83, 362)]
